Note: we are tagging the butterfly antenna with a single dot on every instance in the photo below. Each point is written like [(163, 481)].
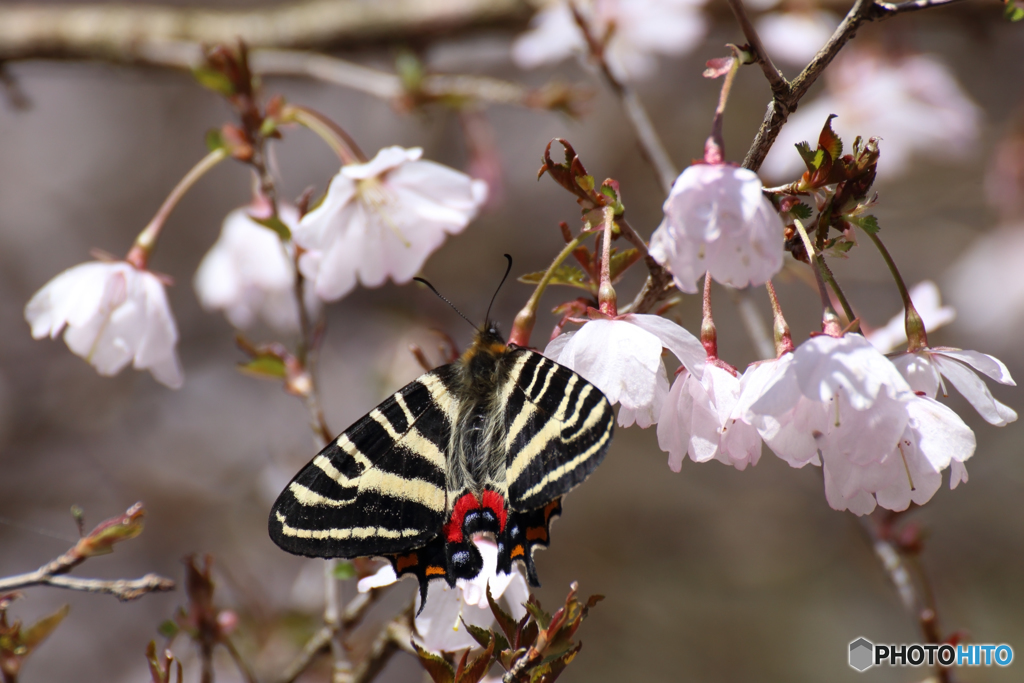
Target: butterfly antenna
[(441, 297), (507, 271)]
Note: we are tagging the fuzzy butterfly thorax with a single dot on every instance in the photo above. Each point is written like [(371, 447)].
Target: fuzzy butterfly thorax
[(485, 445)]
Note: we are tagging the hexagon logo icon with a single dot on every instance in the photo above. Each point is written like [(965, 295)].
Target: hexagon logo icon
[(862, 654)]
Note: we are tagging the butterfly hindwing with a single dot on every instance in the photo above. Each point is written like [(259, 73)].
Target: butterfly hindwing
[(379, 488), (557, 430)]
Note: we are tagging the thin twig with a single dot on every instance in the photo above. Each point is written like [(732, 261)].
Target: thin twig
[(123, 589), (315, 646), (778, 82), (783, 104), (243, 668), (918, 603)]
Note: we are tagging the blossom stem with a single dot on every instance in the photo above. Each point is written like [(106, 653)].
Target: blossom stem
[(917, 335), (714, 147), (605, 291), (822, 274), (138, 255), (525, 319), (783, 340), (330, 132), (708, 333)]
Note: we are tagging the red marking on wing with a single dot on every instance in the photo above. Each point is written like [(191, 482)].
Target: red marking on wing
[(453, 527), (495, 501)]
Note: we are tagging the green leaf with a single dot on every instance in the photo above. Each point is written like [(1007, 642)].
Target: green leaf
[(440, 670), (801, 211), (866, 223), (1014, 10), (264, 366), (214, 140), (344, 570), (563, 275), (35, 634), (479, 666), (168, 629), (505, 621), (275, 224), (812, 158), (829, 141), (620, 261), (214, 80), (410, 70), (542, 618)]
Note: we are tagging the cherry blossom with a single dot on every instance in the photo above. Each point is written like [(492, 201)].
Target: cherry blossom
[(928, 305), (639, 30), (112, 314), (796, 36), (925, 368), (382, 219), (699, 418), (622, 358), (439, 624), (249, 273), (912, 102), (717, 220), (935, 438)]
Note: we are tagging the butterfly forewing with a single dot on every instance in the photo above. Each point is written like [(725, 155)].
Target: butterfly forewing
[(557, 430), (379, 488)]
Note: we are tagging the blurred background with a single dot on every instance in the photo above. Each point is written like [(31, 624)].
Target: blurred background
[(710, 574)]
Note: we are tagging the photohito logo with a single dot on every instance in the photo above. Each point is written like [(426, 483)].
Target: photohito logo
[(864, 654)]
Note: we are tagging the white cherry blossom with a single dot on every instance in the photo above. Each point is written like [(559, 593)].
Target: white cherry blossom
[(913, 103), (717, 220), (622, 358), (439, 624), (382, 219), (928, 305), (249, 273), (640, 30), (935, 438), (112, 314), (699, 419), (925, 369)]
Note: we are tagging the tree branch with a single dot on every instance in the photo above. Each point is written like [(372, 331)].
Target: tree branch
[(123, 589), (122, 32), (783, 104)]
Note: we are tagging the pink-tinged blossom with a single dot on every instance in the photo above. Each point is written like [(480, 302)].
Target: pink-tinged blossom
[(622, 358), (795, 37), (249, 273), (935, 438), (699, 419), (439, 624), (840, 397), (640, 29), (913, 103), (925, 369), (112, 314), (718, 220), (382, 219), (928, 305)]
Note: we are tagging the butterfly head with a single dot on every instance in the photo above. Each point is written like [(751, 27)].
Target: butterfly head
[(487, 342)]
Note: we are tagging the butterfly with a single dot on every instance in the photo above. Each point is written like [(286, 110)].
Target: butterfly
[(488, 444)]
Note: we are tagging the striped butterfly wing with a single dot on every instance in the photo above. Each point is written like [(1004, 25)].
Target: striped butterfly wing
[(379, 488), (557, 430)]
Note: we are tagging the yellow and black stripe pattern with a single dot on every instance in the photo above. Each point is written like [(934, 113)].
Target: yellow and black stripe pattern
[(488, 444)]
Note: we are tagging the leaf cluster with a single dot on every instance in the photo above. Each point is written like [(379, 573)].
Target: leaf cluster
[(534, 649)]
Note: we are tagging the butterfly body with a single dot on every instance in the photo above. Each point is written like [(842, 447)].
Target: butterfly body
[(485, 445)]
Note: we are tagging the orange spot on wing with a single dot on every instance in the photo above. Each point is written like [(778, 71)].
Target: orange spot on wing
[(536, 533), (435, 571), (518, 551), (549, 508), (406, 561)]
